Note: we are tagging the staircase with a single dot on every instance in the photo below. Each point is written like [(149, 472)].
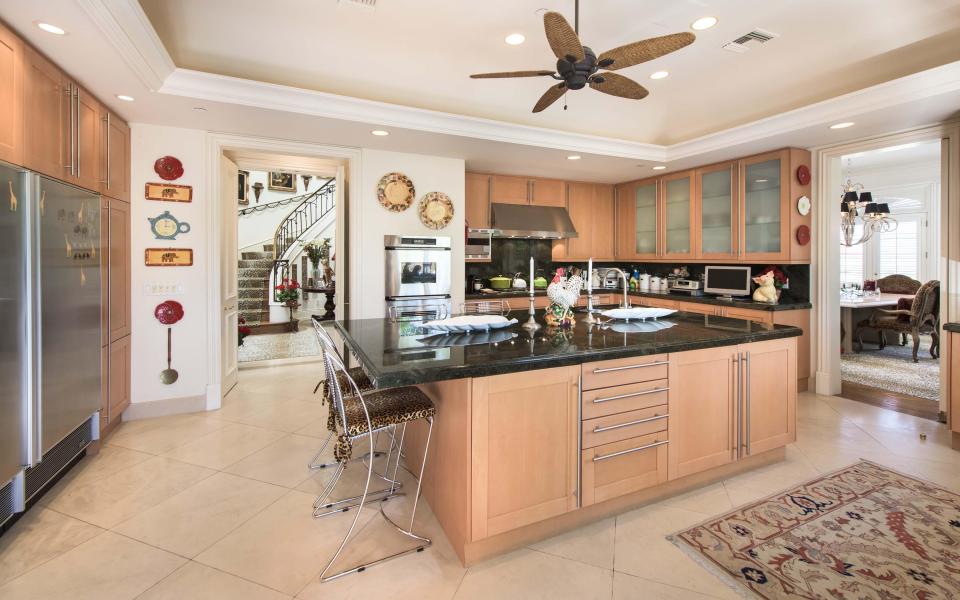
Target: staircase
[(253, 282)]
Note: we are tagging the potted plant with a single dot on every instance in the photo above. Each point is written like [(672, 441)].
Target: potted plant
[(243, 330), (319, 254), (288, 292)]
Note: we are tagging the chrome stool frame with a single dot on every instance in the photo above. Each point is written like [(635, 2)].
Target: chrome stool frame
[(333, 364)]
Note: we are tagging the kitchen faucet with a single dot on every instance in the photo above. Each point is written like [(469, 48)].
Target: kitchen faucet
[(626, 286)]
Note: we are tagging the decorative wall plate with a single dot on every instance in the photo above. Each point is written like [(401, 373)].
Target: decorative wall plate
[(168, 312), (436, 210), (803, 174), (803, 206), (168, 257), (168, 168), (169, 192), (803, 235), (395, 192), (167, 227)]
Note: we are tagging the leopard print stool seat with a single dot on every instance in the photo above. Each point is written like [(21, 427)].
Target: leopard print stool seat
[(359, 377), (387, 407)]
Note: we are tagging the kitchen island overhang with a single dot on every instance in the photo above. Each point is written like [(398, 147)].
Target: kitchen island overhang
[(535, 435)]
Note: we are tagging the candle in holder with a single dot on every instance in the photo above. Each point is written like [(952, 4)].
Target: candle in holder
[(531, 275), (590, 277)]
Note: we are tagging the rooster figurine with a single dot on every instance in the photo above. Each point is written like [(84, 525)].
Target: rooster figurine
[(563, 295)]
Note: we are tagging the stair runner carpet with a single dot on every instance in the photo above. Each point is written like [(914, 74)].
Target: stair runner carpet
[(253, 280)]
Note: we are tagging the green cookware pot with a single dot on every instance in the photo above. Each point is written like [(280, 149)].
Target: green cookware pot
[(540, 283), (500, 282)]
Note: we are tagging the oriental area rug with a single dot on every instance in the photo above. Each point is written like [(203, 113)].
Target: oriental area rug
[(861, 533)]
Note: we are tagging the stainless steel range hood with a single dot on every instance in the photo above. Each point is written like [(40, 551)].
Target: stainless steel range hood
[(538, 222)]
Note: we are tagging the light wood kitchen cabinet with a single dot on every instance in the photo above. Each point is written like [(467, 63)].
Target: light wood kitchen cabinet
[(87, 158), (638, 220), (717, 221), (104, 274), (524, 449), (509, 189), (591, 208), (623, 467), (115, 157), (118, 379), (703, 398), (118, 258), (765, 207), (951, 341), (548, 192), (477, 200), (11, 96), (769, 395), (45, 112), (678, 214)]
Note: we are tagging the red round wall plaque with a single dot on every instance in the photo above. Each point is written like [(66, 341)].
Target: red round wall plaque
[(168, 168), (803, 235), (168, 312), (803, 174)]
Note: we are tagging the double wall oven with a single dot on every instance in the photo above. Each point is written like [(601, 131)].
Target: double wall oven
[(417, 274)]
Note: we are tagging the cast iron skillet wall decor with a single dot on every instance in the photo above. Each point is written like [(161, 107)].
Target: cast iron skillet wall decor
[(168, 168)]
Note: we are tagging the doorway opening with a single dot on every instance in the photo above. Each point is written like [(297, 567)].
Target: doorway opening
[(889, 297)]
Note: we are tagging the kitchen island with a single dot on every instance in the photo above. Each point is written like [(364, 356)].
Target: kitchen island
[(540, 433)]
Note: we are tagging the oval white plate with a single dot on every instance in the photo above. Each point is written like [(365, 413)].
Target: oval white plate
[(644, 312)]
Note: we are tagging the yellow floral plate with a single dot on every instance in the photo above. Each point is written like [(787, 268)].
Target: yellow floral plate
[(436, 210), (395, 192)]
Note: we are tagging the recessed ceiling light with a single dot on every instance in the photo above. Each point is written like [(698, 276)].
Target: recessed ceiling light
[(515, 39), (380, 132), (703, 23), (199, 109), (659, 75), (51, 28), (573, 157), (659, 168), (125, 97), (843, 125)]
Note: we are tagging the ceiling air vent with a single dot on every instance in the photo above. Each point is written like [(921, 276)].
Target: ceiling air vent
[(368, 4), (742, 43)]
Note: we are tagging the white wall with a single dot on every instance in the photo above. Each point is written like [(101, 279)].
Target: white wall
[(190, 343), (369, 222)]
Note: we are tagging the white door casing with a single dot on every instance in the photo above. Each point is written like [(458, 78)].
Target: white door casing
[(228, 275)]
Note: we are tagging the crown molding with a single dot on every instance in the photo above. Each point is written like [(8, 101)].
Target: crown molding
[(128, 29), (246, 92)]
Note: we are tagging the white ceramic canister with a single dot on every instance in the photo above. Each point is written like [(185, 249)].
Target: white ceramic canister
[(644, 282)]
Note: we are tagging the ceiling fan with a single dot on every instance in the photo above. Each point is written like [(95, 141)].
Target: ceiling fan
[(578, 66)]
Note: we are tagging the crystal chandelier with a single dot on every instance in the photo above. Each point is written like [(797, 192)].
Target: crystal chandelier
[(874, 217)]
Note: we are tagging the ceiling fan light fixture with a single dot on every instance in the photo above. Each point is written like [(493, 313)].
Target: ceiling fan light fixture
[(515, 39), (703, 23), (660, 75)]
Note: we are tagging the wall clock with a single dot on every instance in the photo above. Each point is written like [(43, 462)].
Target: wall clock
[(803, 174), (803, 206), (167, 227)]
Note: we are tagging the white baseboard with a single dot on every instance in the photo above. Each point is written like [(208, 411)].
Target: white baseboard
[(165, 407)]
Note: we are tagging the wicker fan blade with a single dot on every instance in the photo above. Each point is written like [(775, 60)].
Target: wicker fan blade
[(644, 50), (618, 85), (552, 95), (511, 74), (562, 38)]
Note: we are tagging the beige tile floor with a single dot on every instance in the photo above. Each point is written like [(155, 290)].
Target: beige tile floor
[(218, 505)]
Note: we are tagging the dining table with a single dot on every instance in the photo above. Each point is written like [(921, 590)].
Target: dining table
[(854, 306)]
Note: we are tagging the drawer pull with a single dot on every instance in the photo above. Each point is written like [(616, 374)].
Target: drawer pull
[(622, 452), (631, 395), (650, 364), (629, 423)]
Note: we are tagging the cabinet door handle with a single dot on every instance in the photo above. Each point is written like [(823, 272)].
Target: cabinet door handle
[(630, 423), (736, 395), (631, 450), (631, 395), (106, 161), (579, 438), (746, 390), (76, 146), (650, 364), (69, 92)]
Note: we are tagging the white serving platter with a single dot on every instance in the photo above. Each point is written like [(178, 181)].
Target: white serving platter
[(640, 326), (641, 313), (466, 339), (468, 323)]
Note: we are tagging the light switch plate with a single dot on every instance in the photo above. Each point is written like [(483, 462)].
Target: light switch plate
[(162, 289)]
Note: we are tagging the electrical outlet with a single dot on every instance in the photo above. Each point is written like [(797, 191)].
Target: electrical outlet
[(162, 289)]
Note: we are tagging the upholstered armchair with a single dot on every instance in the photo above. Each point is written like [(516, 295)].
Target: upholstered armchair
[(899, 284), (922, 317)]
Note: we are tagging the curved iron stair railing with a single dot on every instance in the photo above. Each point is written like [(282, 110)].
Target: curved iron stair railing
[(312, 208)]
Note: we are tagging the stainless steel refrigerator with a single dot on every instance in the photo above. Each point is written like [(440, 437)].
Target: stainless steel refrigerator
[(50, 312)]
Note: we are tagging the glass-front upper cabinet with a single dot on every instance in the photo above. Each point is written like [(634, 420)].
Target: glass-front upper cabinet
[(678, 215), (764, 208), (646, 219), (718, 193)]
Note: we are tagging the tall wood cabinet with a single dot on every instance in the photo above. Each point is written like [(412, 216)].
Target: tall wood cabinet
[(591, 208), (51, 125), (477, 200)]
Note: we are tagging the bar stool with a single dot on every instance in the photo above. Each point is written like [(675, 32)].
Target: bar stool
[(361, 415)]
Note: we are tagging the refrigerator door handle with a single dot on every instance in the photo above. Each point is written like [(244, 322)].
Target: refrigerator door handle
[(34, 300)]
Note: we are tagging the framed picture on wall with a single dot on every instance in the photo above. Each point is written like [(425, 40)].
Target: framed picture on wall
[(279, 181), (242, 187)]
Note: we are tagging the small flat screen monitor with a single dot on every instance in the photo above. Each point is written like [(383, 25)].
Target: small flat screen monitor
[(727, 281)]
